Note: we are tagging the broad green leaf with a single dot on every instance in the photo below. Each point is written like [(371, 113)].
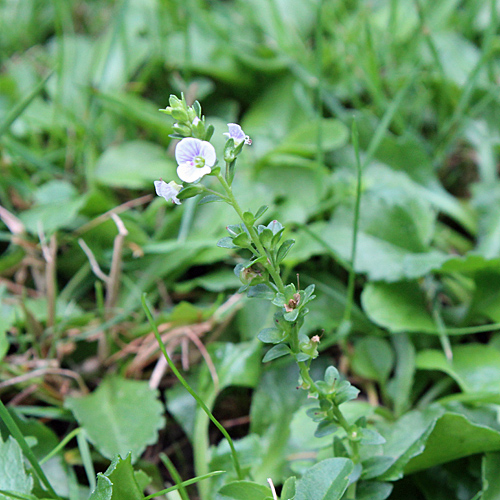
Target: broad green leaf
[(395, 226), (303, 140), (118, 482), (236, 364), (491, 473), (453, 437), (486, 197), (244, 490), (273, 115), (57, 205), (486, 299), (134, 165), (399, 307), (470, 262), (121, 416), (452, 46), (475, 367), (373, 358), (13, 476), (288, 490), (373, 490), (405, 439), (274, 403), (326, 480), (296, 188), (45, 440), (408, 154)]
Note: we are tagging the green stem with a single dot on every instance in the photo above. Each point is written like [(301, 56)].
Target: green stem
[(349, 431), (201, 445), (61, 445), (175, 475), (184, 484), (253, 235), (188, 388)]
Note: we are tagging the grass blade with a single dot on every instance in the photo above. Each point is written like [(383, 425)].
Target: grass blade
[(19, 108), (188, 388)]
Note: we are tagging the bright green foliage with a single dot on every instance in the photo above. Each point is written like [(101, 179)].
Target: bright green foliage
[(118, 482), (13, 476), (243, 490), (121, 416), (475, 367), (326, 480)]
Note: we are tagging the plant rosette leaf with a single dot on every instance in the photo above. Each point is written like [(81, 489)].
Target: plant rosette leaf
[(244, 490), (475, 367), (133, 164), (423, 439), (326, 480), (13, 476), (373, 359), (121, 416), (454, 436), (399, 307), (118, 482), (396, 226)]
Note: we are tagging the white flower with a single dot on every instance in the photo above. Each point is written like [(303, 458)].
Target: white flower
[(195, 159), (168, 191), (237, 134)]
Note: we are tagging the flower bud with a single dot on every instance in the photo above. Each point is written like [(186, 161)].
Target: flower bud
[(253, 275)]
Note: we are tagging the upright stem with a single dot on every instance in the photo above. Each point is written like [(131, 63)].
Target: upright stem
[(294, 334), (253, 235)]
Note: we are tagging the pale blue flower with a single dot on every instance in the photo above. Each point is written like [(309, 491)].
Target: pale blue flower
[(195, 159), (237, 134), (168, 191)]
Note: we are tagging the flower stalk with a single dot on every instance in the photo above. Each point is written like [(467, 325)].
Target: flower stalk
[(260, 274)]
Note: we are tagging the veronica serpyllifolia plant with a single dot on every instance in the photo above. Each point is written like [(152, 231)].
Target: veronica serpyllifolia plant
[(260, 275)]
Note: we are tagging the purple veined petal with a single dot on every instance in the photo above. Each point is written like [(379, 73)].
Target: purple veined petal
[(167, 191), (208, 152), (188, 172), (236, 133), (187, 149)]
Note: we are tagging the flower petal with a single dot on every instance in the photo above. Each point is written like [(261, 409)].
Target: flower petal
[(208, 152), (168, 191), (188, 172), (187, 149), (236, 133)]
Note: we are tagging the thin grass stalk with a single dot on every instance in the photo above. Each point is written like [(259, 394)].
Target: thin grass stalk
[(19, 108), (184, 484), (88, 464), (188, 388), (352, 273), (175, 475)]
